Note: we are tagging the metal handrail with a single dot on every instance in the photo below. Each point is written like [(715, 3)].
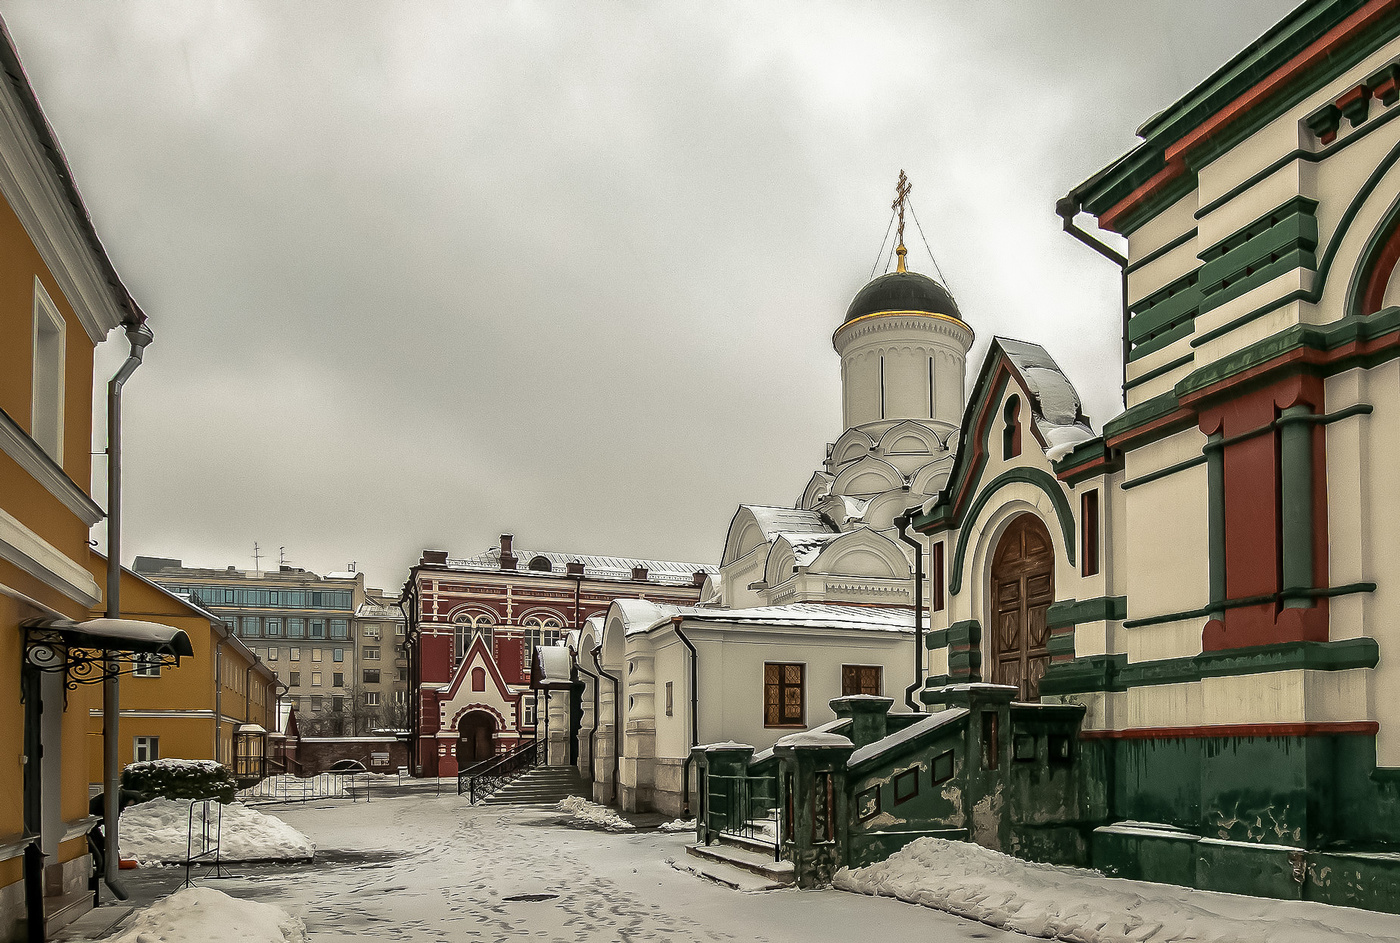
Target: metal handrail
[(482, 780)]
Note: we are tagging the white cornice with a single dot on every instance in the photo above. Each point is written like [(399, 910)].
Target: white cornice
[(43, 561), (29, 184), (15, 443)]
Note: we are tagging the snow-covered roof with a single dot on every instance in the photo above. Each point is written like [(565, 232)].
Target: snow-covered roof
[(342, 575), (799, 615), (1056, 407), (641, 615), (900, 737), (554, 666), (372, 611), (787, 522), (806, 547), (595, 567)]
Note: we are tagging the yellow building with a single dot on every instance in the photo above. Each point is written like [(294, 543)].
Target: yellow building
[(59, 298), (195, 710)]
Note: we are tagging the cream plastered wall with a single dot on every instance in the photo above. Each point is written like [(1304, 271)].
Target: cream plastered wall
[(1168, 566), (1281, 697), (731, 660), (1363, 473)]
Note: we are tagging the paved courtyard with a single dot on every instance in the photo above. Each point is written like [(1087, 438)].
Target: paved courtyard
[(422, 867)]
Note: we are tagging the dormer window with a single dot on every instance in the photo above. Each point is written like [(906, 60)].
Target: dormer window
[(542, 565), (1011, 429)]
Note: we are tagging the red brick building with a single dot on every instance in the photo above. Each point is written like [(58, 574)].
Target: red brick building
[(474, 622)]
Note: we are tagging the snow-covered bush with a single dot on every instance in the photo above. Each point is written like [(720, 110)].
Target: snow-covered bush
[(180, 779), (159, 830)]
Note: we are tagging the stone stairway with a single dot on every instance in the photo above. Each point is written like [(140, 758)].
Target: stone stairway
[(543, 785), (740, 863)]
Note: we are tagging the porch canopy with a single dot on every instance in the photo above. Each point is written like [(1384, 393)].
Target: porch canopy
[(552, 668), (88, 652)]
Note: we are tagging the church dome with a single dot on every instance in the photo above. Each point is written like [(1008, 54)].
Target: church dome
[(903, 291)]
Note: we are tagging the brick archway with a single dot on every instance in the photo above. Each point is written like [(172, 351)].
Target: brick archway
[(1023, 587)]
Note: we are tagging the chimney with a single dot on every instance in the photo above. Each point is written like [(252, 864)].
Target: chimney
[(698, 578), (433, 558), (639, 574), (575, 567), (508, 561)]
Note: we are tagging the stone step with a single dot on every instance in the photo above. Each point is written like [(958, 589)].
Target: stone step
[(727, 875), (763, 865)]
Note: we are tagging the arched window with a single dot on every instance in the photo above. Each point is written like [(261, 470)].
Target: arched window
[(539, 632), (478, 679), (542, 564), (466, 626), (1011, 429)]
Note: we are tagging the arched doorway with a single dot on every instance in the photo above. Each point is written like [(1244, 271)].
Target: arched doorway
[(475, 740), (1023, 587)]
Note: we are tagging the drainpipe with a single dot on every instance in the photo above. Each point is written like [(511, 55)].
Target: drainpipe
[(694, 711), (1068, 208), (410, 639), (594, 729), (902, 522), (139, 335), (218, 693), (617, 719)]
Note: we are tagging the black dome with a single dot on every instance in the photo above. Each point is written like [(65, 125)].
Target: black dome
[(903, 291)]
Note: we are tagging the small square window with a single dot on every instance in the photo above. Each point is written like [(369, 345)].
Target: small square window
[(295, 678), (906, 785), (295, 653), (315, 679), (868, 803), (145, 749), (337, 679), (1023, 747), (338, 654), (943, 767), (371, 698), (1061, 748), (272, 653)]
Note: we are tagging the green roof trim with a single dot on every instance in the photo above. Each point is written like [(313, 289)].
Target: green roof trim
[(1030, 476)]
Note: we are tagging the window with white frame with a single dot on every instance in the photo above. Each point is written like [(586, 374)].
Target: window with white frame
[(146, 666), (371, 653), (145, 749), (467, 626), (372, 630), (48, 389), (371, 699)]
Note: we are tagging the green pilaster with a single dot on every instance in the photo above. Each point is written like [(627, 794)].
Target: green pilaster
[(1215, 515), (816, 832), (1295, 434)]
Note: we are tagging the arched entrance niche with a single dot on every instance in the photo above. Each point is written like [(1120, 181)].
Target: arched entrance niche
[(1022, 589), (476, 740)]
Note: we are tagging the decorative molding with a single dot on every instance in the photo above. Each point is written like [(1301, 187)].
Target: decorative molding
[(43, 561), (30, 185), (17, 444), (1030, 476)]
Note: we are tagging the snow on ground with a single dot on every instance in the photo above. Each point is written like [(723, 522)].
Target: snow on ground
[(590, 813), (158, 831), (1085, 907), (204, 915), (678, 825), (420, 867)]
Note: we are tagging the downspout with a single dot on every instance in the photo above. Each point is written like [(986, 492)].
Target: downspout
[(694, 712), (902, 522), (218, 693), (594, 729), (139, 335), (617, 719), (409, 648), (1068, 208)]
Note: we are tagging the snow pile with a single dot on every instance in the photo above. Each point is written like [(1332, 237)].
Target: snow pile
[(204, 915), (1059, 903), (590, 813), (158, 831), (678, 825)]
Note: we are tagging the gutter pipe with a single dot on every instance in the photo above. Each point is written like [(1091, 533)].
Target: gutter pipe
[(1068, 208), (902, 522), (218, 693), (140, 336), (694, 711), (617, 719)]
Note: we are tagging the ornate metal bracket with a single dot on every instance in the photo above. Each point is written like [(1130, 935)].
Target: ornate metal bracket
[(50, 650)]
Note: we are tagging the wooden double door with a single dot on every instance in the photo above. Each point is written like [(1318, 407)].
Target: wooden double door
[(475, 739), (1023, 587)]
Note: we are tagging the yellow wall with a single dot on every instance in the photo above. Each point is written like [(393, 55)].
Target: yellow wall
[(189, 687)]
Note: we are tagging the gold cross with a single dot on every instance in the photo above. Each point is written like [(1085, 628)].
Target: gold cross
[(901, 195)]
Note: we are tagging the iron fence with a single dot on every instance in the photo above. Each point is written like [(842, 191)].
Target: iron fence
[(286, 788), (485, 778)]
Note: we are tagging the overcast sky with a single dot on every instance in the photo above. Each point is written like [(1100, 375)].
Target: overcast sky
[(421, 274)]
